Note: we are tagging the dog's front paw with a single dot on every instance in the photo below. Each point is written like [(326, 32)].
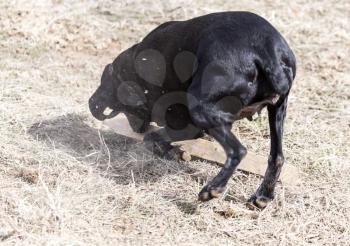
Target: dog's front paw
[(174, 154), (164, 150), (258, 201), (209, 192)]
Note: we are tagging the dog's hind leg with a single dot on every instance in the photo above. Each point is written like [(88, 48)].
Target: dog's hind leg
[(265, 192), (235, 152)]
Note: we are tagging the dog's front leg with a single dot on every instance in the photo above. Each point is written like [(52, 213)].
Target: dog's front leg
[(137, 123), (159, 142), (265, 192), (235, 152)]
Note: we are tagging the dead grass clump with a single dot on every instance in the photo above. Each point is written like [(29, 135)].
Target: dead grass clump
[(29, 176)]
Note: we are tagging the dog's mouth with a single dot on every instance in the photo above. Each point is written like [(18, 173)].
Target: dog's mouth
[(109, 113)]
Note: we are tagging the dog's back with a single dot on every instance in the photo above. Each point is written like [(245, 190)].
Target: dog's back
[(168, 58), (217, 32)]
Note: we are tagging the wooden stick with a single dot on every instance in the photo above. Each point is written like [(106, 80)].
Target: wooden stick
[(208, 150)]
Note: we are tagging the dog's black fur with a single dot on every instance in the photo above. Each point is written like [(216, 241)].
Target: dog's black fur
[(199, 76)]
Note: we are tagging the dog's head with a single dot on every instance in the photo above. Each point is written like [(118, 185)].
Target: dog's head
[(104, 97)]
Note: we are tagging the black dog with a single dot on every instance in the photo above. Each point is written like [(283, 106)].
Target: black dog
[(199, 76)]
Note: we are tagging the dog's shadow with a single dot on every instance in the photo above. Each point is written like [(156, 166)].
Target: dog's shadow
[(123, 159)]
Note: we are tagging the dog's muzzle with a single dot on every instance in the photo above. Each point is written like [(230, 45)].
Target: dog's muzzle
[(100, 110)]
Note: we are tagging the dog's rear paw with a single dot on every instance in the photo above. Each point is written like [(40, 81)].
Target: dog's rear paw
[(209, 192), (258, 202)]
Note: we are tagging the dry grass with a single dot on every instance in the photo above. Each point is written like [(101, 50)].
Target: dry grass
[(64, 182)]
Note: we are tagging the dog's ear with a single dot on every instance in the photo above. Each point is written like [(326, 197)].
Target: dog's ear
[(130, 93)]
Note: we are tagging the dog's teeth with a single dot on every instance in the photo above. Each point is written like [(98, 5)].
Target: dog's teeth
[(107, 111)]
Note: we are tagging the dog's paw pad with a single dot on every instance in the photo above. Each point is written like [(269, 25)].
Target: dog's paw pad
[(259, 202), (209, 192)]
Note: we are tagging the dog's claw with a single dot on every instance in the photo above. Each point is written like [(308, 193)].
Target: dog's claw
[(174, 154), (258, 201), (209, 192)]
